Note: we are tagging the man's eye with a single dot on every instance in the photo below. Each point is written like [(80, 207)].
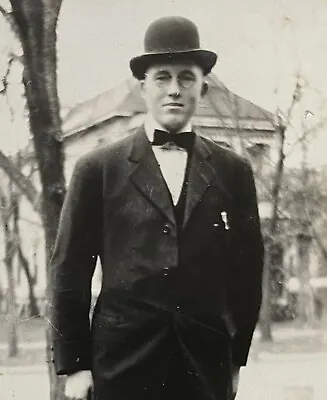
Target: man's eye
[(162, 78), (189, 78)]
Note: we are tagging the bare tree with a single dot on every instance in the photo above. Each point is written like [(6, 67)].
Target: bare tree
[(282, 125), (34, 22), (265, 312)]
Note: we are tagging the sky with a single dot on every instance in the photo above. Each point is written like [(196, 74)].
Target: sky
[(262, 47)]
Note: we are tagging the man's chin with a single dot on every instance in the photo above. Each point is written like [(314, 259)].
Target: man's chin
[(174, 125)]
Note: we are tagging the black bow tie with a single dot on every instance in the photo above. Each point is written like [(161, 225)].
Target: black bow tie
[(184, 140)]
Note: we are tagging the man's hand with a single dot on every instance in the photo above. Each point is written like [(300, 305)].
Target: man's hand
[(78, 385), (235, 380)]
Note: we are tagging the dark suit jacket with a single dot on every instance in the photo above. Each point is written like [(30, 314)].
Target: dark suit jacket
[(167, 300)]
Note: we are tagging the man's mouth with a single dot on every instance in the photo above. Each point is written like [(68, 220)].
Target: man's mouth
[(174, 105)]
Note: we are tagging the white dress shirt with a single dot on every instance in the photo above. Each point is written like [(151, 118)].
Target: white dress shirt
[(172, 162)]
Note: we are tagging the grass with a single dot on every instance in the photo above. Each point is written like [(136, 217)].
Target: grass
[(292, 345), (31, 330), (25, 357), (28, 330), (293, 341)]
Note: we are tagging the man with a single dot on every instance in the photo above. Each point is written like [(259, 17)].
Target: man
[(173, 218)]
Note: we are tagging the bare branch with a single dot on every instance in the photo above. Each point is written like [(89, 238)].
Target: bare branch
[(319, 242), (4, 79), (5, 85), (24, 184), (300, 140)]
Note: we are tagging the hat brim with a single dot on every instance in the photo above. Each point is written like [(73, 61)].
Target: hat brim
[(205, 59)]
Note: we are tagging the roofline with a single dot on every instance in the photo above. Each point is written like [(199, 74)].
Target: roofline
[(68, 134)]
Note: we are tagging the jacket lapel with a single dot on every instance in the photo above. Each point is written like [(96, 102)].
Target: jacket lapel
[(201, 173), (147, 176)]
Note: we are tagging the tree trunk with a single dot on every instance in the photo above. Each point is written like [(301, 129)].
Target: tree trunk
[(265, 312), (12, 311), (23, 262), (36, 21), (6, 214), (32, 306)]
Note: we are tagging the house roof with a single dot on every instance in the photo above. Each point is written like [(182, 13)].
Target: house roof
[(125, 100)]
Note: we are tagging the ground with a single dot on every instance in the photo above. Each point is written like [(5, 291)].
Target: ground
[(31, 336), (288, 338), (292, 367), (293, 379)]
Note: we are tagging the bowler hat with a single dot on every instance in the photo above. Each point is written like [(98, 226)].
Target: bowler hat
[(172, 38)]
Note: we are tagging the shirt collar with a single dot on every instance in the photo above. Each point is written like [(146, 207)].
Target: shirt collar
[(150, 125)]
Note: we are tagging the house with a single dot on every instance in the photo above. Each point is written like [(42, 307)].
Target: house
[(222, 116)]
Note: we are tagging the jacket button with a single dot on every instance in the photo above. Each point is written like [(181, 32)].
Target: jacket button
[(166, 229)]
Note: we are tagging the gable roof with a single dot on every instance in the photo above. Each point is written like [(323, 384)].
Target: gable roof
[(125, 100)]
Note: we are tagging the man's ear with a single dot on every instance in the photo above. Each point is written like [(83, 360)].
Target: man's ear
[(204, 89)]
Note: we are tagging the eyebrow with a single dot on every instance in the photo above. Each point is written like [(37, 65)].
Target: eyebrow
[(187, 71), (183, 71), (161, 71)]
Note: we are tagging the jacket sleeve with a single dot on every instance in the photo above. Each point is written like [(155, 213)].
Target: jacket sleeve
[(245, 279), (71, 269)]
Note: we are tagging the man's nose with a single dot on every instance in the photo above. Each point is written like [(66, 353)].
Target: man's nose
[(173, 87)]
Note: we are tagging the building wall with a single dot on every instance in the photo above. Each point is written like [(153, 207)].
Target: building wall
[(107, 132)]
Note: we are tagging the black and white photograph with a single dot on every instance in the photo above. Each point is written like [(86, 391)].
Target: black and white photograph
[(163, 200)]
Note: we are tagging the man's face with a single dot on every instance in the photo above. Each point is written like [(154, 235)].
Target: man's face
[(172, 91)]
